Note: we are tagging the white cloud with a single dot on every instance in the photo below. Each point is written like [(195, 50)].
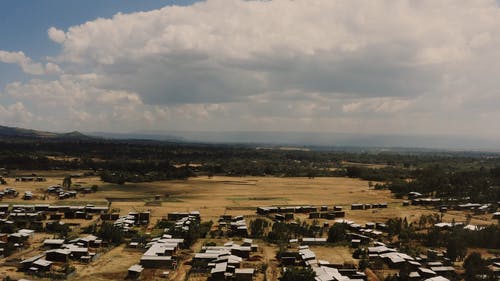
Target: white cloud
[(15, 113), (377, 105), (27, 65), (56, 35), (320, 65)]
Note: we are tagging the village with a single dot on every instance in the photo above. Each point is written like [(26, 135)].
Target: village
[(51, 235)]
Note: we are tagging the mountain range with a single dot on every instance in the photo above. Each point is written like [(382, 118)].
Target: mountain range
[(319, 140), (15, 132)]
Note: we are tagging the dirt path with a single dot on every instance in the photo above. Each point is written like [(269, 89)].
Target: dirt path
[(371, 276), (112, 265), (269, 252)]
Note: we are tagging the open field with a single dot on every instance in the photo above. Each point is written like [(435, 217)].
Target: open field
[(236, 196)]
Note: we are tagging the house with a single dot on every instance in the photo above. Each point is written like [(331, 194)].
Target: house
[(313, 241), (41, 265), (28, 195), (58, 255), (437, 278), (144, 218), (355, 243), (357, 206), (135, 271), (90, 241), (27, 263), (414, 275), (41, 207), (244, 274), (53, 243), (156, 261), (219, 271), (241, 251), (20, 236), (447, 271), (76, 252), (426, 273)]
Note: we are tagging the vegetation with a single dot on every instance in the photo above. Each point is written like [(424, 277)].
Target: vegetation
[(337, 233), (298, 274), (258, 227), (443, 174), (282, 232), (110, 233)]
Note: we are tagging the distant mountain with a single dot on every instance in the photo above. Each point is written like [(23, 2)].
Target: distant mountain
[(14, 132), (319, 140), (153, 136), (311, 140)]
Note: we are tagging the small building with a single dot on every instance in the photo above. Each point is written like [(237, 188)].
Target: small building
[(27, 263), (58, 255), (28, 195), (156, 261), (244, 274), (357, 206), (53, 243), (41, 265), (355, 243), (496, 215), (135, 271)]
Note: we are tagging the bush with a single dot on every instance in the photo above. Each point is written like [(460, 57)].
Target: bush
[(298, 274)]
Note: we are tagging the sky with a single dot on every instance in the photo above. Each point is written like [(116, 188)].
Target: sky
[(429, 67)]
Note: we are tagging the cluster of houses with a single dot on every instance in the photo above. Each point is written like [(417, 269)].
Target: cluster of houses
[(368, 206), (325, 271), (34, 216), (224, 262), (26, 179), (125, 223), (60, 192), (234, 226), (184, 220), (452, 203), (9, 192), (60, 252), (16, 239), (433, 266), (160, 251), (450, 225), (363, 234), (287, 213), (55, 190)]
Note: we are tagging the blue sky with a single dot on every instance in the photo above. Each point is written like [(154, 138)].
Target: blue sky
[(429, 68), (24, 24)]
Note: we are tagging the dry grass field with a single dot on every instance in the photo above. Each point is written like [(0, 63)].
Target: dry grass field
[(233, 195)]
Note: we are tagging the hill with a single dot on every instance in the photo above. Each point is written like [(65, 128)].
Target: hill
[(14, 132)]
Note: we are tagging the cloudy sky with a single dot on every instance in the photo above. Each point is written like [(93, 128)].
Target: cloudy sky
[(427, 67)]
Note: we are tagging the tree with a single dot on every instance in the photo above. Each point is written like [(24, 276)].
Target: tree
[(337, 233), (258, 227), (456, 248), (110, 233), (474, 265), (279, 233), (67, 182), (298, 274)]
